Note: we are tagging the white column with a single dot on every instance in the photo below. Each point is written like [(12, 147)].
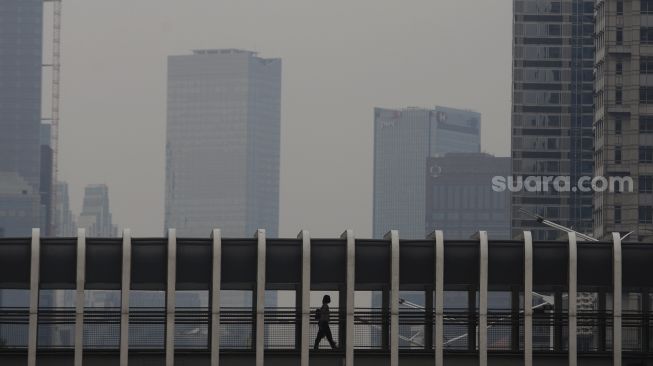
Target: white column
[(572, 295), (305, 345), (33, 297), (482, 307), (528, 299), (394, 297), (351, 278), (616, 298), (79, 299), (439, 298), (260, 298), (171, 289), (215, 296), (124, 296)]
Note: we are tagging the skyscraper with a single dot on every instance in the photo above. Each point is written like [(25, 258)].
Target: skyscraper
[(64, 221), (552, 110), (624, 116), (223, 137), (21, 33), (403, 140), (96, 214)]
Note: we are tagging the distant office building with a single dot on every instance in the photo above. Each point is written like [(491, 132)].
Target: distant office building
[(64, 219), (552, 110), (460, 199), (21, 33), (223, 136), (96, 215), (623, 120), (19, 206), (46, 189), (403, 141)]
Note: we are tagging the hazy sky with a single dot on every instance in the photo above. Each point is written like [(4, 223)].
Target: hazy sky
[(341, 58)]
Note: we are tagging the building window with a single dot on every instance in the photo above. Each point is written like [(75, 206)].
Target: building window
[(619, 95), (619, 69), (646, 124), (646, 6), (646, 214), (646, 154), (646, 35), (646, 65), (617, 154), (645, 184), (617, 127), (617, 214), (620, 7), (620, 35), (646, 95)]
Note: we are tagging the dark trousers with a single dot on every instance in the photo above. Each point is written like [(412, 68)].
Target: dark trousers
[(324, 331)]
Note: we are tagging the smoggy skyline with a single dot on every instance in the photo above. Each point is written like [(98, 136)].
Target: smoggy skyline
[(340, 60)]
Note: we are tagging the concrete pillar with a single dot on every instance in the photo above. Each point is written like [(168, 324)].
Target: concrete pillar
[(439, 298), (305, 344), (260, 298), (124, 296), (79, 298), (351, 278), (482, 307), (573, 302), (528, 299), (215, 297), (171, 297), (617, 299), (394, 297), (33, 297)]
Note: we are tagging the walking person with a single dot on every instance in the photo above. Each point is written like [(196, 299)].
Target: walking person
[(323, 317)]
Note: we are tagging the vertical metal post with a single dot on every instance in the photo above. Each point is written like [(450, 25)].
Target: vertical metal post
[(528, 299), (439, 298), (573, 303), (260, 298), (617, 299), (305, 297), (171, 297), (33, 297), (216, 235), (482, 308), (349, 297), (124, 296), (394, 297), (79, 298)]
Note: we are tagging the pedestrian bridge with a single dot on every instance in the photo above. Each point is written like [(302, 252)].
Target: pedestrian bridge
[(249, 301)]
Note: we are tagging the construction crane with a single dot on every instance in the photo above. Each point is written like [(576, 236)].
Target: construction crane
[(55, 66)]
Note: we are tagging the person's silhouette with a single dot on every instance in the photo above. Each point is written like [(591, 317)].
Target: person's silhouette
[(323, 317)]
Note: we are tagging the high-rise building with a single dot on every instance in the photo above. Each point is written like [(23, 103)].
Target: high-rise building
[(460, 197), (552, 110), (46, 188), (19, 205), (223, 143), (403, 141), (624, 116), (96, 214), (21, 42), (64, 221)]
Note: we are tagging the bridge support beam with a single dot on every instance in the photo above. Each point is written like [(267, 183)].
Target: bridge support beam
[(349, 297), (260, 298), (305, 297), (572, 296), (79, 297), (171, 290), (124, 296), (617, 299), (33, 297), (393, 235), (528, 299), (482, 307), (216, 236)]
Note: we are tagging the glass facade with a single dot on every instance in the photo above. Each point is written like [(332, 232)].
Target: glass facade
[(21, 28), (223, 137), (553, 60), (403, 140)]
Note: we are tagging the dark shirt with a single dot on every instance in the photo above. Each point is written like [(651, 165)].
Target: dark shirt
[(325, 315)]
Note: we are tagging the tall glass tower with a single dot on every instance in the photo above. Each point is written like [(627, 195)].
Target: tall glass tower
[(552, 110), (404, 139), (223, 137), (21, 48)]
